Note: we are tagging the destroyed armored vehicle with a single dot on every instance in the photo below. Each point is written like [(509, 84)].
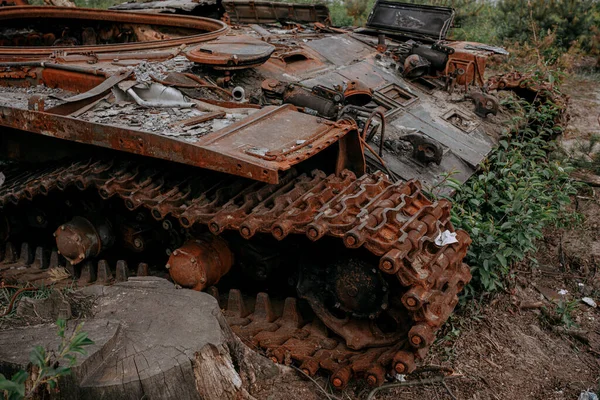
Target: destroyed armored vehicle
[(275, 161)]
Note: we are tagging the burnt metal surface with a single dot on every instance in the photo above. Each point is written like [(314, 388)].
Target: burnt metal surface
[(198, 30), (231, 53), (258, 147), (265, 12), (393, 221), (412, 20), (200, 263), (80, 239)]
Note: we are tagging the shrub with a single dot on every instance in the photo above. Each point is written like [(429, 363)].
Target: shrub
[(519, 190)]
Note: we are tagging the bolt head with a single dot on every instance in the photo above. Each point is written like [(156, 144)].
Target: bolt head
[(416, 340), (387, 265), (372, 380), (400, 368)]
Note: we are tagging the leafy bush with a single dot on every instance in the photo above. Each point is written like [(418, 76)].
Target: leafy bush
[(519, 190), (48, 366), (570, 20)]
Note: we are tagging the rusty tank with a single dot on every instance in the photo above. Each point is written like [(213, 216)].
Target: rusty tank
[(277, 162)]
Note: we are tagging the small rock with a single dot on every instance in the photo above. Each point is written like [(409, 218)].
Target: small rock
[(587, 395), (589, 301)]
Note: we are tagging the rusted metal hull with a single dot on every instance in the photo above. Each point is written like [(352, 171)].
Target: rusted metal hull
[(219, 151), (281, 166)]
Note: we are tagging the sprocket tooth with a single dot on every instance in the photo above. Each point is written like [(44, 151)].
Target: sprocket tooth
[(291, 316), (236, 308), (88, 273), (26, 255), (263, 310), (41, 259), (54, 260), (104, 273), (214, 292), (122, 271), (71, 269), (142, 269)]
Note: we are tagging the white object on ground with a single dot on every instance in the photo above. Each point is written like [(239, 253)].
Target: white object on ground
[(589, 301), (446, 237)]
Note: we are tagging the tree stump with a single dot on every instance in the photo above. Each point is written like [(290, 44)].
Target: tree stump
[(152, 341)]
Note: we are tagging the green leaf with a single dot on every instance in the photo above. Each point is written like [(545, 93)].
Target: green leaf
[(19, 377), (502, 259), (15, 390), (62, 324), (38, 356)]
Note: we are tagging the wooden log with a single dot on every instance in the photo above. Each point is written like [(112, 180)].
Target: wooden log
[(152, 341)]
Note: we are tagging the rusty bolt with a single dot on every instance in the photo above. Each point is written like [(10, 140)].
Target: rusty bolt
[(337, 382), (387, 265), (411, 302), (246, 231), (312, 232), (400, 368), (278, 232), (350, 240), (372, 380), (416, 340)]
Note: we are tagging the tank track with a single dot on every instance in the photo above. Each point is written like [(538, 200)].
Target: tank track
[(394, 221)]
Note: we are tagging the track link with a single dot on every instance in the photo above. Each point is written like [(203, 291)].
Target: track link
[(394, 221)]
